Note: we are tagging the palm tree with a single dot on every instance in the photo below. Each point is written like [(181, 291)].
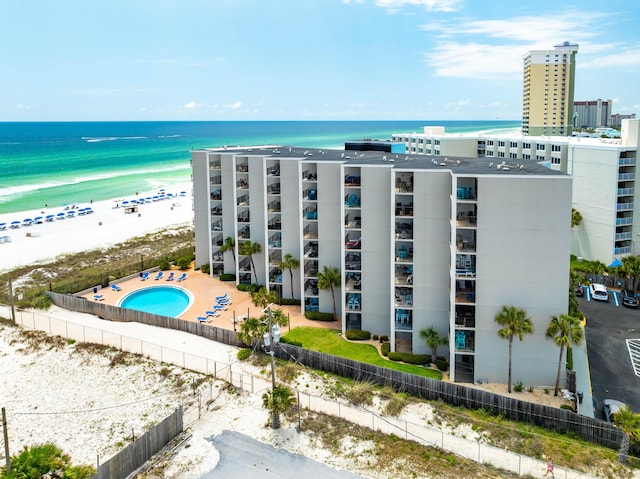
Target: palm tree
[(433, 340), (516, 323), (277, 401), (328, 279), (249, 248), (565, 330), (576, 217), (629, 422), (42, 459), (290, 262), (230, 245)]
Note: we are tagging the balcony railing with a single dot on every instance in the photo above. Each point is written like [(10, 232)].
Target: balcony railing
[(625, 191), (624, 206), (626, 176), (622, 250), (624, 221), (626, 161), (624, 236)]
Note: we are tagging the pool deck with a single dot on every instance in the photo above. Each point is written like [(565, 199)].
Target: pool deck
[(204, 290)]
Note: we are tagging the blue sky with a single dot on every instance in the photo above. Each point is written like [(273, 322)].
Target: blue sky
[(91, 60)]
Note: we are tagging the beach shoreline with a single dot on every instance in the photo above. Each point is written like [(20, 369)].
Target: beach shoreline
[(85, 226)]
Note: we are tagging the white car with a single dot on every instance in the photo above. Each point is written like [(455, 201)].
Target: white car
[(611, 407), (599, 292)]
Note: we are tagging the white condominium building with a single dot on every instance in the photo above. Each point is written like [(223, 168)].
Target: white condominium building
[(603, 169), (417, 241)]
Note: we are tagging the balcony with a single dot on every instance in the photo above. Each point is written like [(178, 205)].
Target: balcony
[(275, 241), (404, 253), (404, 231), (624, 221), (216, 180), (353, 242), (466, 241), (622, 250), (244, 233), (273, 189), (310, 268), (626, 162), (311, 214), (352, 201), (464, 341), (465, 291), (404, 297), (216, 195), (274, 207), (309, 175), (624, 206), (310, 231), (274, 224), (465, 193), (352, 180), (352, 281), (626, 176), (244, 217), (625, 191), (311, 287), (275, 257), (243, 200), (216, 211), (354, 302), (215, 165), (310, 194), (273, 170), (352, 222), (404, 183), (242, 184), (624, 236), (404, 209), (404, 319), (216, 226), (465, 317), (242, 167)]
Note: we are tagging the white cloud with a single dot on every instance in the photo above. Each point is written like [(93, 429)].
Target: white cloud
[(143, 109), (234, 106), (22, 106), (432, 5), (191, 104), (498, 45)]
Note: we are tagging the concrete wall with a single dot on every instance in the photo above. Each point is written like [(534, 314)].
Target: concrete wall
[(522, 259), (201, 209)]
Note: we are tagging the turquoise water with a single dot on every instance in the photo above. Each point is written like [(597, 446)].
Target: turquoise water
[(75, 162), (169, 301)]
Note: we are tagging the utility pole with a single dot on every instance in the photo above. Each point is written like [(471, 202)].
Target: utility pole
[(6, 439), (13, 308)]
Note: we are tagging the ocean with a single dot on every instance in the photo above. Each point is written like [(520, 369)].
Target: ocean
[(58, 163)]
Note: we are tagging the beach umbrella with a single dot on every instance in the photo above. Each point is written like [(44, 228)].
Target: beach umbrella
[(183, 193), (38, 219), (71, 213), (27, 220), (88, 210), (60, 215), (3, 224), (125, 202), (49, 217), (15, 224), (156, 198)]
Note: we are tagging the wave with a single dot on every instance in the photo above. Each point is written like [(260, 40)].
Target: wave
[(11, 192), (98, 139), (169, 136)]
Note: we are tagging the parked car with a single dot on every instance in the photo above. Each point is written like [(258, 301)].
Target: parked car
[(599, 292), (611, 407), (579, 291), (629, 298)]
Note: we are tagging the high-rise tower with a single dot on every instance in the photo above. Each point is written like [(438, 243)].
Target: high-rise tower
[(547, 97)]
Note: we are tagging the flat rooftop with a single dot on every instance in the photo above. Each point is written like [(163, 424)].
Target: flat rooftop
[(457, 165)]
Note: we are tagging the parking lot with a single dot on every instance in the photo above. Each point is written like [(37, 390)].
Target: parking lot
[(613, 346)]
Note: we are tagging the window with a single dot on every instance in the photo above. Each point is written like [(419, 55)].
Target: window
[(490, 142), (540, 147), (555, 147), (513, 144), (501, 143), (526, 157), (540, 158), (436, 142), (555, 161), (526, 146), (501, 154), (489, 153), (513, 156)]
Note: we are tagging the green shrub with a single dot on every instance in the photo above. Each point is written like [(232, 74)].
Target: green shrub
[(249, 288), (183, 263), (288, 302), (227, 277), (205, 268), (164, 264), (568, 407), (570, 359), (384, 339), (410, 358), (375, 337), (518, 387), (357, 334), (442, 364), (244, 353), (385, 348), (317, 316)]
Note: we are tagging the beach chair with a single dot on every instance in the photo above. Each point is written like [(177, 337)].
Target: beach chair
[(115, 287), (182, 277), (215, 314), (223, 302), (98, 297), (203, 319), (159, 275), (171, 276), (219, 307), (224, 296)]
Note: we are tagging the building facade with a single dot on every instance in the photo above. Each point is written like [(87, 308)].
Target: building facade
[(604, 172), (418, 242), (547, 96), (592, 113)]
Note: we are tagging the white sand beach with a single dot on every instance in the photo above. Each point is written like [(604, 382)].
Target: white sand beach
[(107, 224)]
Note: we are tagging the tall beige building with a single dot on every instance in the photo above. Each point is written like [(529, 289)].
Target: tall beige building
[(547, 98)]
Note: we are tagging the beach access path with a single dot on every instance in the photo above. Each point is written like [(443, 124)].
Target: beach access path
[(107, 224)]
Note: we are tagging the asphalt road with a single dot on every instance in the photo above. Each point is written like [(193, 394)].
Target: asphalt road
[(608, 328), (243, 457)]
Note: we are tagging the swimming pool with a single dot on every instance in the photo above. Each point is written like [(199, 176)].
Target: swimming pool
[(165, 300)]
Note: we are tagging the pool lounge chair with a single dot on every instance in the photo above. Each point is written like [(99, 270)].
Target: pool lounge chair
[(182, 277), (224, 296), (219, 307), (212, 313), (203, 319), (115, 287), (171, 276), (223, 302), (98, 297), (145, 276), (159, 275)]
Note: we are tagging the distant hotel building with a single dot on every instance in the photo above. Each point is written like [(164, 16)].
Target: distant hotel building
[(547, 97), (592, 113), (604, 176), (441, 241)]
